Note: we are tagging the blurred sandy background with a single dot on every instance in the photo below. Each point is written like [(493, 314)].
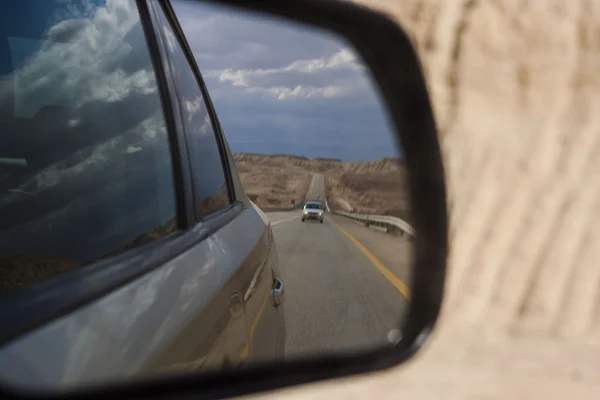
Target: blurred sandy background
[(515, 85)]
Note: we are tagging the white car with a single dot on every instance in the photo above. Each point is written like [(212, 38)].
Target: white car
[(313, 210)]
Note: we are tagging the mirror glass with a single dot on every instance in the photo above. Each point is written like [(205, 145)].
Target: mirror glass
[(301, 241)]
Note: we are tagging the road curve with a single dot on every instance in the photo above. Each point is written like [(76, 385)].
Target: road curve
[(337, 299)]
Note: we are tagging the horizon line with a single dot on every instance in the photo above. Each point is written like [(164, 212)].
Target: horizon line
[(316, 158)]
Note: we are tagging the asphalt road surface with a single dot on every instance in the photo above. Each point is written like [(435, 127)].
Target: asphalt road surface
[(347, 286)]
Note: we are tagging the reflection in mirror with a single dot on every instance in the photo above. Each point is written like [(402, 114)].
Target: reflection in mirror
[(318, 261), (316, 152)]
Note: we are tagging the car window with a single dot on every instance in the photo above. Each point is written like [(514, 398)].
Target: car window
[(206, 158), (85, 164)]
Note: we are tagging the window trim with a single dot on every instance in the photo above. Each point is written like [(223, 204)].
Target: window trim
[(170, 15), (172, 108), (236, 195)]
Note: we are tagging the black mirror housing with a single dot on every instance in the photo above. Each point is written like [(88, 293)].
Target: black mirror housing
[(387, 51)]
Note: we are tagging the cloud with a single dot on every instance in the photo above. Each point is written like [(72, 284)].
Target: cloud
[(90, 70), (284, 93), (90, 125), (133, 149), (221, 37), (342, 59), (258, 80), (82, 65)]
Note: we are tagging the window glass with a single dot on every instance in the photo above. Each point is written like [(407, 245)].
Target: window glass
[(85, 166), (207, 165)]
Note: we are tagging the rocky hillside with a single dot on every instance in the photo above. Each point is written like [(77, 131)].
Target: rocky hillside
[(273, 181), (375, 187)]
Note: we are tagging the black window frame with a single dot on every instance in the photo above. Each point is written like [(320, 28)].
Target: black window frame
[(235, 199), (32, 307)]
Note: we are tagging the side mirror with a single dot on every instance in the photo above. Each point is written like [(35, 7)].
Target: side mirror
[(192, 303)]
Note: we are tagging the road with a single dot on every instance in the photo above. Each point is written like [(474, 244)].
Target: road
[(346, 285)]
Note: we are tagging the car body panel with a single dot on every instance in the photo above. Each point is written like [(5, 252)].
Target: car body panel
[(172, 319)]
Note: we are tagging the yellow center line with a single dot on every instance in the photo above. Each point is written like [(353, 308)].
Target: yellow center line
[(245, 351), (255, 322), (389, 275)]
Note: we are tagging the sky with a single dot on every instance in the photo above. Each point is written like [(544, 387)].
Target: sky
[(284, 88)]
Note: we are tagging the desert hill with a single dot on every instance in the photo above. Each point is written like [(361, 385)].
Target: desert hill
[(376, 187)]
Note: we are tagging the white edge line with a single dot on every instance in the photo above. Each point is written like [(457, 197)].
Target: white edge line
[(284, 220)]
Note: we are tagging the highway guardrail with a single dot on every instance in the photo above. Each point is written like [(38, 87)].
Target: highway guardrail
[(393, 224)]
